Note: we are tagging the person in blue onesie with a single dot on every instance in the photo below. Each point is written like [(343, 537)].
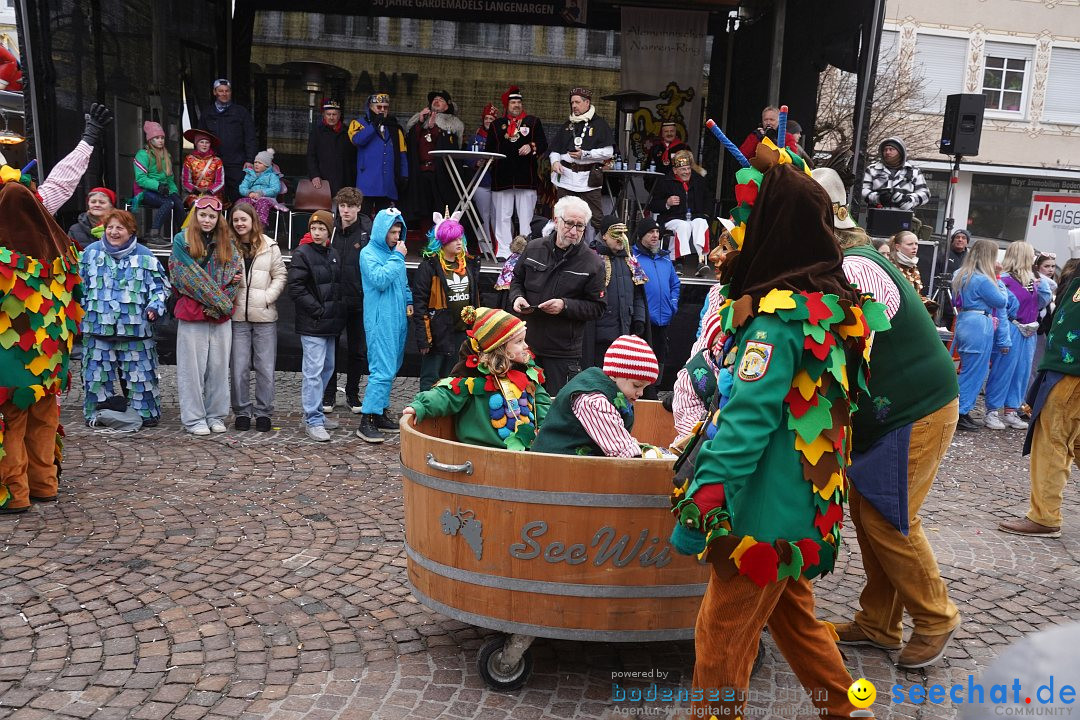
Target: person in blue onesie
[(980, 298), (387, 308)]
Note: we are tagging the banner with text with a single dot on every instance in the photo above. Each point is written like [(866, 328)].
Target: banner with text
[(663, 53)]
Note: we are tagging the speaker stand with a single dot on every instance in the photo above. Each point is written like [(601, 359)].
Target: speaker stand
[(950, 195)]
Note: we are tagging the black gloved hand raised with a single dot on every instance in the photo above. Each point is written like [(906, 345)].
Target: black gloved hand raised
[(97, 120)]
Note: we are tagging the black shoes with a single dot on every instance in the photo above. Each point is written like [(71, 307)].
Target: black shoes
[(966, 423), (353, 401), (242, 423), (151, 422), (368, 432), (262, 424), (385, 424)]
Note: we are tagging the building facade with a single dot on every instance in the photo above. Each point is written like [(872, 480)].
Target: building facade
[(1024, 56)]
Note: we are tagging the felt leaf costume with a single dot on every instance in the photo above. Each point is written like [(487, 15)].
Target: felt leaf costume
[(815, 416), (40, 290)]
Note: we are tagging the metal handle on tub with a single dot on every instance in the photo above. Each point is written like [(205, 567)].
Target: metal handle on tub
[(466, 467)]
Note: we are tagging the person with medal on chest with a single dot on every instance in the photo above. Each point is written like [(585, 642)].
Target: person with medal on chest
[(520, 137), (579, 150), (436, 127)]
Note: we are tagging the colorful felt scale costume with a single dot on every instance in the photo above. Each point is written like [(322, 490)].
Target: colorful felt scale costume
[(39, 316), (120, 287)]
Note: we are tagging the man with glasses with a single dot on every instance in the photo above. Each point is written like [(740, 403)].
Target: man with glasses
[(558, 286), (233, 126)]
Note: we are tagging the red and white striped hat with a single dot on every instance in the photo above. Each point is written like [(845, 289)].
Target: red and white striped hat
[(631, 357)]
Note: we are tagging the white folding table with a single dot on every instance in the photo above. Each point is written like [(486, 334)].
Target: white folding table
[(466, 190)]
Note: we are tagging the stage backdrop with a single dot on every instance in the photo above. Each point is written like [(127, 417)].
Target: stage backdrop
[(663, 53)]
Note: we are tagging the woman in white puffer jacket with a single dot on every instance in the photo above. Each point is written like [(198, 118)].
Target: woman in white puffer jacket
[(254, 326)]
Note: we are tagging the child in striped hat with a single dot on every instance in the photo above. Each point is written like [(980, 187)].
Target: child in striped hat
[(495, 392), (594, 413)]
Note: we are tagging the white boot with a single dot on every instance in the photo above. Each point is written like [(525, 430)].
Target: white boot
[(992, 421)]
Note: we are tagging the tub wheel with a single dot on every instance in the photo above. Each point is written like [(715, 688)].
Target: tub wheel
[(490, 662)]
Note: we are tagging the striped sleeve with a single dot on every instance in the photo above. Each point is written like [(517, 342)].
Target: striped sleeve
[(64, 178), (868, 277), (686, 406), (604, 425)]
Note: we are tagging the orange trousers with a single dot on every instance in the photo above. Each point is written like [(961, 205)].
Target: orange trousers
[(30, 443), (729, 624)]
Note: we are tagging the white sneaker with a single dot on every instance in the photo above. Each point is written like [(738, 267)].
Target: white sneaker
[(217, 426), (330, 424), (992, 421), (318, 433), (1013, 420), (200, 429)]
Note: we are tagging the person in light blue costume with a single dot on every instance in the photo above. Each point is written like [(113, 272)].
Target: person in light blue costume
[(387, 308), (125, 289), (1003, 364), (980, 297)]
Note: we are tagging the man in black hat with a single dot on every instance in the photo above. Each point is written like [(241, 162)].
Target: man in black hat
[(436, 127), (582, 145), (661, 291), (233, 126), (331, 158)]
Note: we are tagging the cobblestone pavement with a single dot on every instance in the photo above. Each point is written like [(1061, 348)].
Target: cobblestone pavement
[(261, 575)]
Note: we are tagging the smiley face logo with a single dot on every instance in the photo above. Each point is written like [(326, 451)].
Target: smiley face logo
[(862, 693)]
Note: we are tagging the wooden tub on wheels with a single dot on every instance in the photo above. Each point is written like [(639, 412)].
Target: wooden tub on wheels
[(551, 546)]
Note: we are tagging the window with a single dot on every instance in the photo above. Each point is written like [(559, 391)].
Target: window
[(596, 42), (1061, 83), (889, 47), (604, 43), (940, 60), (1004, 76), (335, 25), (484, 35)]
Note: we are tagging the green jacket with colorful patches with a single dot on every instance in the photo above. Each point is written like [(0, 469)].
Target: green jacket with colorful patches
[(479, 406), (782, 441), (1063, 340)]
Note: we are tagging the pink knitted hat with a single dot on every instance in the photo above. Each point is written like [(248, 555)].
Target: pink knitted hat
[(152, 130), (631, 357)]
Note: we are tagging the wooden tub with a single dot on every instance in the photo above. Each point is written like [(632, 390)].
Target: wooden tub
[(550, 546)]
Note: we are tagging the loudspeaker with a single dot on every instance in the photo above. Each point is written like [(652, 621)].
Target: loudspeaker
[(962, 128)]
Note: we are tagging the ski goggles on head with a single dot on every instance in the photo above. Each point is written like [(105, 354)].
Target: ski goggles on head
[(208, 201)]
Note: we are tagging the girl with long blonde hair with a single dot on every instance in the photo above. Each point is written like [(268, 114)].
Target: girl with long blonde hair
[(254, 321), (1009, 373), (979, 297)]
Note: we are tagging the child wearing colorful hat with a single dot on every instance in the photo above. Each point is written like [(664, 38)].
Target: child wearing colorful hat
[(495, 392), (594, 412), (203, 172)]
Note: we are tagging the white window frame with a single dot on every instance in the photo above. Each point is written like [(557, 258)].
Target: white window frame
[(1025, 93)]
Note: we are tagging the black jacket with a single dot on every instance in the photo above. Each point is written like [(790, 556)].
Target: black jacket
[(80, 232), (347, 244), (577, 278), (434, 321), (315, 286), (699, 203), (625, 312), (331, 157), (236, 131), (517, 171)]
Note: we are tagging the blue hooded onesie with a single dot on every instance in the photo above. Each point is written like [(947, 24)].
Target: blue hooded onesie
[(386, 297)]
